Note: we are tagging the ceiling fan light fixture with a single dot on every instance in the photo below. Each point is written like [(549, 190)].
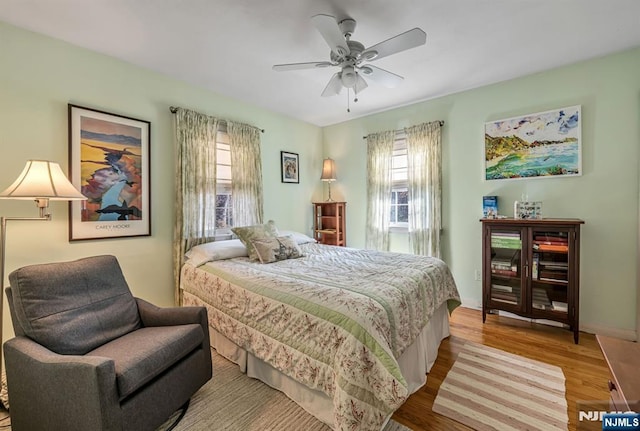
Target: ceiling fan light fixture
[(369, 55), (348, 76)]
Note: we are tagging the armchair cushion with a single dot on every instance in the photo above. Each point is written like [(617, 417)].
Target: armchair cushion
[(74, 308), (142, 355)]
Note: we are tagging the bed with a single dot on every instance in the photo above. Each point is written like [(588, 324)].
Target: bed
[(348, 334)]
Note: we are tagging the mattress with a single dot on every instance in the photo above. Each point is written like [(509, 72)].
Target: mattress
[(337, 321)]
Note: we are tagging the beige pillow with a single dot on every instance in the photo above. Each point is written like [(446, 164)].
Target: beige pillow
[(274, 249), (246, 234)]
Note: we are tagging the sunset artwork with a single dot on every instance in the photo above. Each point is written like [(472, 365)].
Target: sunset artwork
[(110, 170)]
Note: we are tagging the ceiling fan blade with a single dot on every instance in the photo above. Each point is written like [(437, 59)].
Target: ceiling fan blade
[(381, 76), (402, 42), (360, 84), (328, 28), (297, 66), (334, 86)]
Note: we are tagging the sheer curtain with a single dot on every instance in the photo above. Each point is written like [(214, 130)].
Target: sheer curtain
[(195, 179), (379, 181), (246, 174), (424, 176)]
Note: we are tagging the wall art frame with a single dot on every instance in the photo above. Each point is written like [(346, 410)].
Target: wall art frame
[(541, 145), (289, 167), (109, 162)]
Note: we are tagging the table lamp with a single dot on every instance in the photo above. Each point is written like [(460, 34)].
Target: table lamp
[(328, 174)]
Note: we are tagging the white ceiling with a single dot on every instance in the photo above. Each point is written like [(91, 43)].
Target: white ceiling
[(229, 46)]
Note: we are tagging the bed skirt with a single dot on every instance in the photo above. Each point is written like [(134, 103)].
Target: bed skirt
[(414, 363)]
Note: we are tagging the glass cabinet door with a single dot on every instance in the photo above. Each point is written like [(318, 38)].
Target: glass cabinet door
[(505, 270), (550, 271)]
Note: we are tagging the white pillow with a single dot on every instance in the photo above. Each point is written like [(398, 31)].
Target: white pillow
[(298, 237), (216, 250)]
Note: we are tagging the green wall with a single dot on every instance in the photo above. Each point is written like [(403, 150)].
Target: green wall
[(39, 76), (605, 196)]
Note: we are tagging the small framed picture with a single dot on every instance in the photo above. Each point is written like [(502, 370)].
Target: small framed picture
[(290, 167), (109, 163)]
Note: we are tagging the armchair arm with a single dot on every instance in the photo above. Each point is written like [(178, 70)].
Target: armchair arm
[(48, 390), (152, 315)]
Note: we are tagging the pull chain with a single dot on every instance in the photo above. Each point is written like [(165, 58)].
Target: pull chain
[(348, 109)]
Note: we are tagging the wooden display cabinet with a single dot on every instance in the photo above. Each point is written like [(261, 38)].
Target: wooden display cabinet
[(329, 221), (532, 268)]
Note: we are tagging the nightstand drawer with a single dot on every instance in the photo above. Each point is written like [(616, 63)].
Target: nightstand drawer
[(617, 403)]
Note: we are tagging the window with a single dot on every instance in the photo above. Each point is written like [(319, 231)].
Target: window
[(399, 217), (224, 212)]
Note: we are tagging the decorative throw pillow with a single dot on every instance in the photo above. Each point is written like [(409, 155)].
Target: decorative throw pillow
[(274, 249), (300, 238), (216, 250), (246, 234)]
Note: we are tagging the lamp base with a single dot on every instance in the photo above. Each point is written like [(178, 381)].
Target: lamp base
[(329, 199)]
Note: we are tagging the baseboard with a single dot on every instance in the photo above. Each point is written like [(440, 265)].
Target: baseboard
[(625, 334)]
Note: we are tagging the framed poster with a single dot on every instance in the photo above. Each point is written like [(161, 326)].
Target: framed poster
[(541, 145), (109, 164), (290, 167)]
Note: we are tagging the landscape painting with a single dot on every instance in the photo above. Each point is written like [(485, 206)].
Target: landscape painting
[(109, 164), (542, 145)]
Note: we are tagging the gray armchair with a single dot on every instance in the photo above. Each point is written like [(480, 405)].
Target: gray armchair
[(89, 356)]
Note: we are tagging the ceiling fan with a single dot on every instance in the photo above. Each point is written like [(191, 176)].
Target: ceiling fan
[(350, 55)]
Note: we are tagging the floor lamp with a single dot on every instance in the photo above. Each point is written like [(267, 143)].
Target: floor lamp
[(328, 174), (40, 181)]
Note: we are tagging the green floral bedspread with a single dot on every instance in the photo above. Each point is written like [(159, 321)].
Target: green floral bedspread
[(334, 320)]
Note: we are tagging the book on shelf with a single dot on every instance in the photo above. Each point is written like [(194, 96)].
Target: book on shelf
[(535, 263), (506, 301), (507, 272), (547, 247), (547, 273), (505, 234), (535, 241), (553, 279), (502, 287), (551, 236), (539, 297), (506, 242), (554, 263), (505, 265), (559, 306)]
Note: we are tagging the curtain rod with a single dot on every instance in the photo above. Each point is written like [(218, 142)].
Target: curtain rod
[(174, 109), (402, 130)]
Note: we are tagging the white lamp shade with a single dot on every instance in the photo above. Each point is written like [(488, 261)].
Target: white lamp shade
[(41, 179), (328, 170)]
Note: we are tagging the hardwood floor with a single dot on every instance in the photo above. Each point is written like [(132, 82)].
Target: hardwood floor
[(583, 365)]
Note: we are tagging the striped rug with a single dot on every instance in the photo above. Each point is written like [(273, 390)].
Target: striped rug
[(231, 401), (489, 389)]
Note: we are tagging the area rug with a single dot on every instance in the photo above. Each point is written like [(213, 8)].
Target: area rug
[(489, 389), (231, 401)]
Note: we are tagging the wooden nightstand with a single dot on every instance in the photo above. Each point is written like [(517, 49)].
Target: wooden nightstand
[(623, 358), (329, 221)]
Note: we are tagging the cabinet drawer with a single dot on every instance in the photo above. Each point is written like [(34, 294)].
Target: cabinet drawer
[(616, 402)]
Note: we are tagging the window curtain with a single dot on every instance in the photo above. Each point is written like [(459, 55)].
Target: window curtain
[(424, 176), (195, 186), (379, 181), (246, 174)]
